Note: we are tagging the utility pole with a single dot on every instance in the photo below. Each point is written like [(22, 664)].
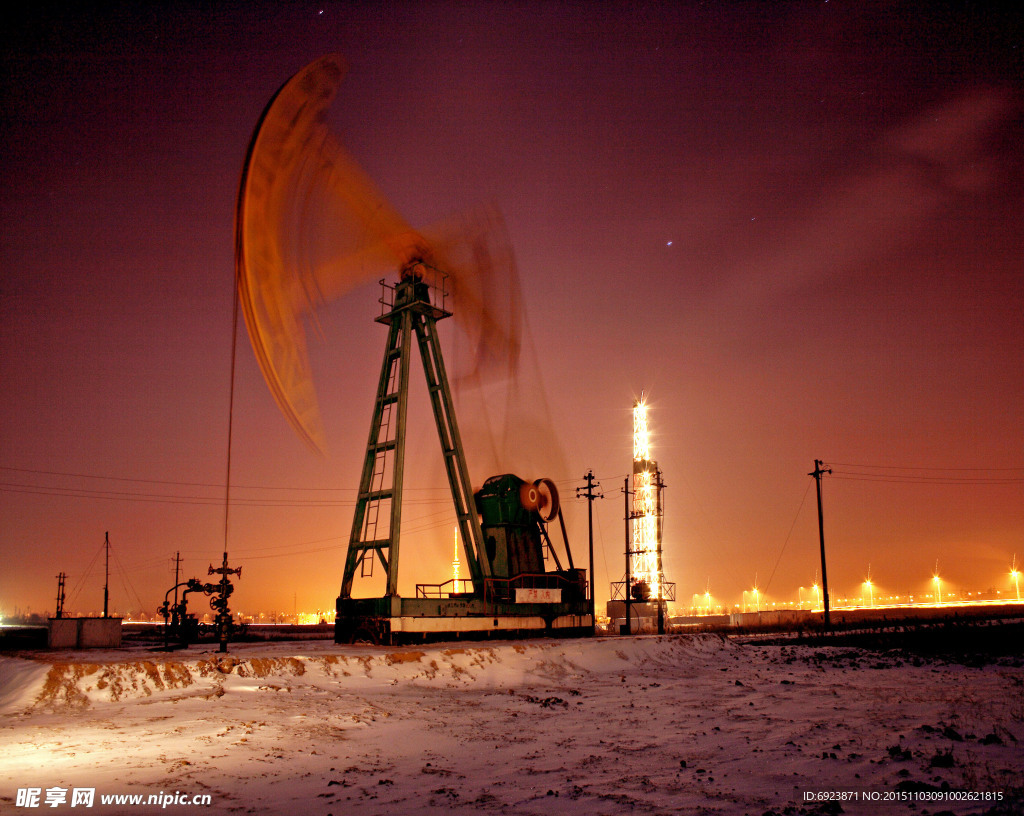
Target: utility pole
[(627, 588), (659, 486), (177, 573), (60, 596), (590, 495), (106, 581), (817, 474)]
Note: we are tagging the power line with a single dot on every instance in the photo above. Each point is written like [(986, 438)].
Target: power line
[(172, 498), (857, 476), (211, 485), (162, 498), (85, 575), (242, 558), (418, 525), (913, 467), (927, 475), (126, 584), (788, 536), (165, 481)]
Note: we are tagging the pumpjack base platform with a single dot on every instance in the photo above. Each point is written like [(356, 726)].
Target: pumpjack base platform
[(394, 621)]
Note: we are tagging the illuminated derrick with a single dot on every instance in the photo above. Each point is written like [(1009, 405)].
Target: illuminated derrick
[(644, 590), (645, 563)]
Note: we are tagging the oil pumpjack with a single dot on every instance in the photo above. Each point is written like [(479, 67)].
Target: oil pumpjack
[(310, 226), (503, 526)]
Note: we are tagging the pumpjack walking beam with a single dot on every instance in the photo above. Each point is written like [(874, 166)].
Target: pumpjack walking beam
[(411, 311)]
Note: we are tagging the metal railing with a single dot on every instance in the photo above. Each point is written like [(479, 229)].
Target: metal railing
[(668, 592), (434, 281), (502, 589), (448, 589)]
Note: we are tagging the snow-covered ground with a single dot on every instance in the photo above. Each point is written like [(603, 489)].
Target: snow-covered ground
[(602, 726)]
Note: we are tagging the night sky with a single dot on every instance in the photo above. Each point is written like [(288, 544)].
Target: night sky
[(796, 227)]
